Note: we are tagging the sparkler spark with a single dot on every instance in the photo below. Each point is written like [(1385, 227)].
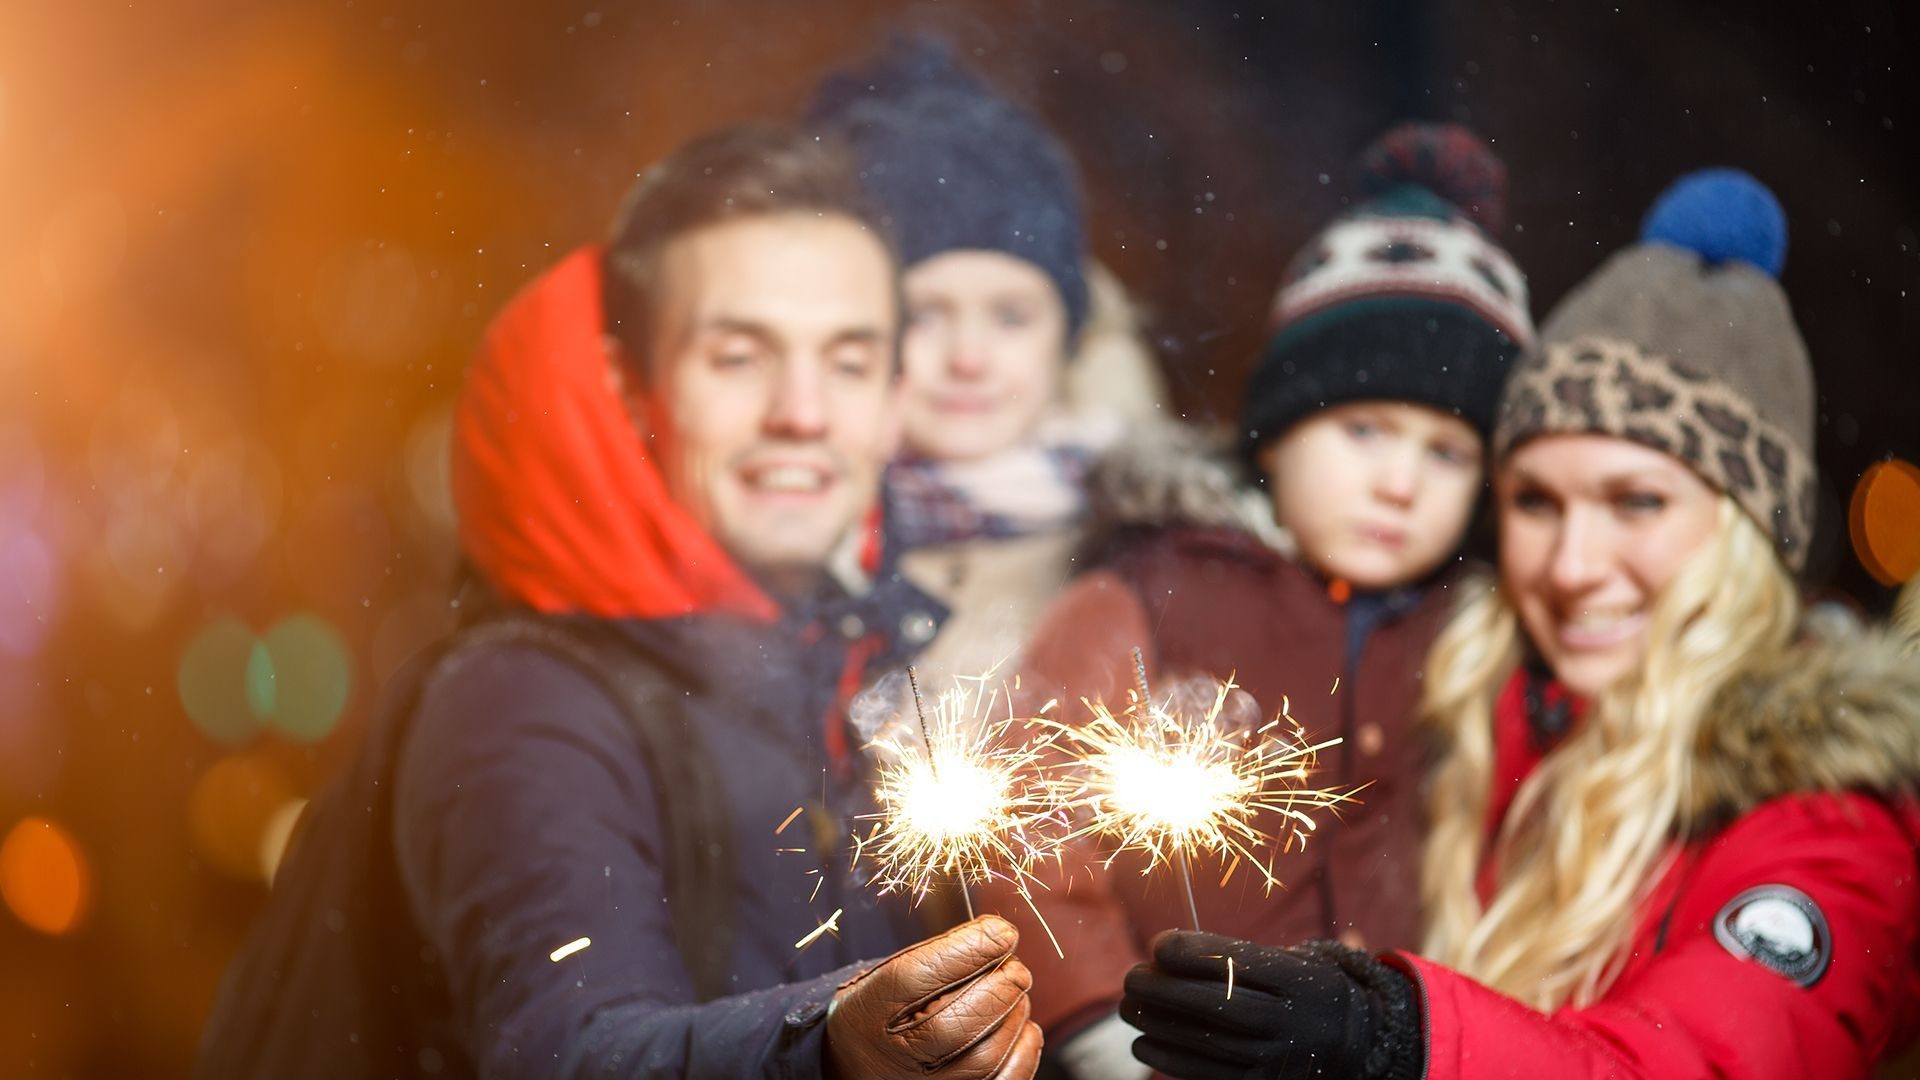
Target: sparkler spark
[(789, 821), (964, 800), (832, 925), (1172, 787), (1229, 960)]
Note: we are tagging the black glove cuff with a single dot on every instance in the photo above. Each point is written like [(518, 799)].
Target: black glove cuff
[(1399, 1050)]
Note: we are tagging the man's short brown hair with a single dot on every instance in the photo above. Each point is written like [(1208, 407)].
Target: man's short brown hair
[(752, 170)]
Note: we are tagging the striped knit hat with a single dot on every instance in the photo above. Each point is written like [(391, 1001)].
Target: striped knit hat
[(1404, 298)]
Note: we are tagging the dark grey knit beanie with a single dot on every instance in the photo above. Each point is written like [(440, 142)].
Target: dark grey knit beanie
[(954, 166)]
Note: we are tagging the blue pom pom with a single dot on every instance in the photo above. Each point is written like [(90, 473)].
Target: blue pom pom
[(1720, 214)]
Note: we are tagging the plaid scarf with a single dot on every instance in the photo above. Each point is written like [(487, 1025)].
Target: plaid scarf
[(1027, 490)]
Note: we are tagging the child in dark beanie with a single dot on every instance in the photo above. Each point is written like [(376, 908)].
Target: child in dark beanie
[(1366, 421)]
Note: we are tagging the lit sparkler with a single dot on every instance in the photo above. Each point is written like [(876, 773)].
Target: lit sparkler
[(964, 801), (1172, 786)]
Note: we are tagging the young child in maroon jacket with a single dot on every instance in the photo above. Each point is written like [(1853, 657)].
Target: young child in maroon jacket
[(1365, 422), (1673, 834)]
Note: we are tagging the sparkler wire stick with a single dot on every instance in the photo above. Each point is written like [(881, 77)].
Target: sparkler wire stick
[(1186, 879), (1186, 871), (926, 736), (920, 710), (1140, 676)]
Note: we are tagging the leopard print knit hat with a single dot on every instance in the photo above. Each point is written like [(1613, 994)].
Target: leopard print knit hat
[(1685, 343)]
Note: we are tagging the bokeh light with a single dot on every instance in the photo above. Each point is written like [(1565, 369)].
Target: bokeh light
[(28, 569), (219, 682), (32, 742), (233, 812), (296, 679), (26, 592), (312, 677), (136, 443), (44, 877), (235, 492), (371, 302), (144, 531), (1884, 521), (342, 546), (23, 473), (82, 244), (282, 825), (261, 689), (429, 469)]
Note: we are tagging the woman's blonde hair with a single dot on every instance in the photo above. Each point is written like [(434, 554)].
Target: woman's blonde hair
[(1906, 612), (1591, 829)]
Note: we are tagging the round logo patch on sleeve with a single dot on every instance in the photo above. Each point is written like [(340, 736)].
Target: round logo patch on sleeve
[(1780, 927)]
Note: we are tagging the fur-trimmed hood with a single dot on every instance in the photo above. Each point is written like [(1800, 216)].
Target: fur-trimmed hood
[(1839, 713), (1168, 475)]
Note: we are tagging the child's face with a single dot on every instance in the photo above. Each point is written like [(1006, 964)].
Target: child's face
[(984, 353), (1375, 493)]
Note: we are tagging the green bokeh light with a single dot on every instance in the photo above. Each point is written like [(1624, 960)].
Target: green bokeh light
[(213, 681), (261, 686), (305, 679)]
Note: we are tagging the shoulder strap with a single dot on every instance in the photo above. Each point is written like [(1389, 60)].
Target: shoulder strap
[(696, 822)]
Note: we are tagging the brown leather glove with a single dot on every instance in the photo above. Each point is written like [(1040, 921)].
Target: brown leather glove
[(954, 1005)]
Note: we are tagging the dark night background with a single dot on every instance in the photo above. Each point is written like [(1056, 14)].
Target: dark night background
[(248, 247)]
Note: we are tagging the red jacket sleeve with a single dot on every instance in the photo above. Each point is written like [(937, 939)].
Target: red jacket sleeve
[(1080, 648), (1695, 1008)]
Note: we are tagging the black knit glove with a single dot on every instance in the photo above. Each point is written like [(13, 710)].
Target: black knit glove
[(1314, 1010)]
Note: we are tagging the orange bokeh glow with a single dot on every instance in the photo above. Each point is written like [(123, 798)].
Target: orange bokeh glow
[(1884, 521), (44, 877), (232, 812)]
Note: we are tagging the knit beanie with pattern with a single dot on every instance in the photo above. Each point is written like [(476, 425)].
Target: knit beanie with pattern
[(1685, 343), (1406, 297)]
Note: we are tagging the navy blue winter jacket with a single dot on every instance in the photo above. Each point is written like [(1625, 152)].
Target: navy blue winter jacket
[(523, 818)]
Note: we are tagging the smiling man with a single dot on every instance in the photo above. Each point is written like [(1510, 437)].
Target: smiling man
[(603, 830), (770, 401)]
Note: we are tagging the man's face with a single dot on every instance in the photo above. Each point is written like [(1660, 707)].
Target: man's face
[(771, 404), (1377, 493)]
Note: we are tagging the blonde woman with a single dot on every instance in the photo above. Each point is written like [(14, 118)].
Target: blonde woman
[(1671, 835)]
